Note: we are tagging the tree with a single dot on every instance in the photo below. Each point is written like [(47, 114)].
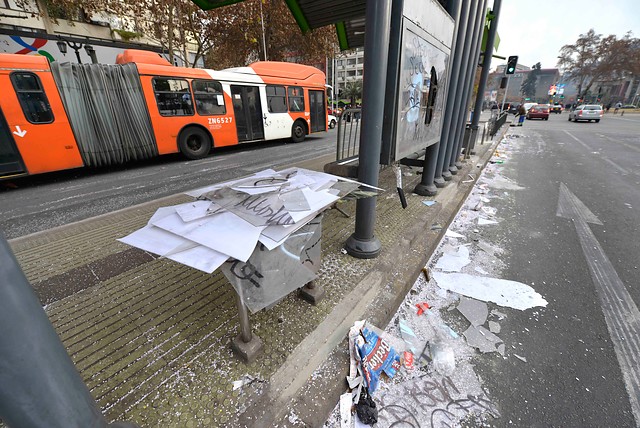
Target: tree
[(353, 91), (227, 36), (530, 84), (593, 58)]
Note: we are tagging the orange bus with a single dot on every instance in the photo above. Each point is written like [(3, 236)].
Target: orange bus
[(56, 116)]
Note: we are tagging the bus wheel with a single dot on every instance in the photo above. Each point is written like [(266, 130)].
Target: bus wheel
[(194, 143), (298, 131)]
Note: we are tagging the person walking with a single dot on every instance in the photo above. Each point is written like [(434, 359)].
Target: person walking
[(521, 114)]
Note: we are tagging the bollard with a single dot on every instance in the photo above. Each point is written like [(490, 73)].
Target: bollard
[(39, 385)]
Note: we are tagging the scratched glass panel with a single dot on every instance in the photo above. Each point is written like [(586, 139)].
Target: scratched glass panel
[(268, 276)]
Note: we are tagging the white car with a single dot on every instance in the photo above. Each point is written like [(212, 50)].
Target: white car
[(527, 106), (332, 120), (586, 112)]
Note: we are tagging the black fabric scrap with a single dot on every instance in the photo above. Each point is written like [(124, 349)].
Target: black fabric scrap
[(366, 408)]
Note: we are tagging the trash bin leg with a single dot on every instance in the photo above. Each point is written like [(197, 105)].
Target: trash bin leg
[(246, 345), (39, 385), (312, 292)]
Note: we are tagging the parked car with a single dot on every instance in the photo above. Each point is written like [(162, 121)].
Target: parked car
[(332, 121), (540, 111), (513, 109), (556, 108), (586, 112)]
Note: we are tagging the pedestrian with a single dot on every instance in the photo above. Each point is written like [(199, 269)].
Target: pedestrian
[(522, 112), (608, 107), (618, 105)]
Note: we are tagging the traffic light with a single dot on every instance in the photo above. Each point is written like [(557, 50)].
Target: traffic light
[(511, 64)]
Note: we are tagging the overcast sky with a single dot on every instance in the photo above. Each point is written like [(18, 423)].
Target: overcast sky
[(535, 30)]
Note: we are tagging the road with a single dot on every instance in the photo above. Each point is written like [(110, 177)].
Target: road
[(41, 202), (572, 232)]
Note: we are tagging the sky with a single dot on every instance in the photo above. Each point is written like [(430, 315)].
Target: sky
[(535, 30)]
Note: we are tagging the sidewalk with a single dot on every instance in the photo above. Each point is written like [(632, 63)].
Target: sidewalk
[(150, 337)]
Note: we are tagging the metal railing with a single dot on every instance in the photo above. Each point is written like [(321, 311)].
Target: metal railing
[(348, 138), (496, 122)]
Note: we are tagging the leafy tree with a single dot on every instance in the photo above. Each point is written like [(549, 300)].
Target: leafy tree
[(530, 84), (593, 58), (353, 90), (227, 36)]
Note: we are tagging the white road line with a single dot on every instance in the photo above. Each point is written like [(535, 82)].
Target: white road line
[(620, 311)]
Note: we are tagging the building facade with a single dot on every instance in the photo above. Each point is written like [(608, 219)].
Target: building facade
[(29, 29)]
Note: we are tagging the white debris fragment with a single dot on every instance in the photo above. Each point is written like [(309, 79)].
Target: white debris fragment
[(454, 262), (523, 359), (484, 222), (346, 402), (500, 291), (494, 327), (452, 234)]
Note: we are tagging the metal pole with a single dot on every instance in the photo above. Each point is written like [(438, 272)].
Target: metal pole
[(462, 23), (39, 385), (472, 65), (427, 186), (363, 244), (484, 75), (504, 97), (264, 42), (460, 88)]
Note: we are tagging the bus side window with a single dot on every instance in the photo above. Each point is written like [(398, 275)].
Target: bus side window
[(296, 98), (209, 97), (276, 99), (173, 96), (33, 100)]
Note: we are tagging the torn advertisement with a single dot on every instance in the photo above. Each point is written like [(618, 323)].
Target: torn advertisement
[(377, 357)]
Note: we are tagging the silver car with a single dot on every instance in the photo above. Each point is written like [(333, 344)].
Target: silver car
[(586, 112)]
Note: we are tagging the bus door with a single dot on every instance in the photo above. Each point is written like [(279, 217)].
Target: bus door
[(318, 111), (10, 160), (248, 112)]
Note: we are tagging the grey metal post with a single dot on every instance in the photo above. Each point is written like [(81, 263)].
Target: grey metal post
[(460, 87), (363, 244), (39, 385), (427, 186), (486, 64), (463, 21), (472, 64), (246, 345)]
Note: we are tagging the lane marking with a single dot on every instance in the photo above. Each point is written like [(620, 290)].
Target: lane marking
[(620, 311)]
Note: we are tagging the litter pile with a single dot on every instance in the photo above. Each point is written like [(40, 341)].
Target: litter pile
[(433, 379)]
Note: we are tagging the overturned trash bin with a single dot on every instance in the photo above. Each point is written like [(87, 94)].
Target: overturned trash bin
[(262, 231)]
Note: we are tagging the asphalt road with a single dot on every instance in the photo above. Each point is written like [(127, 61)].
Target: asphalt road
[(41, 202), (582, 349)]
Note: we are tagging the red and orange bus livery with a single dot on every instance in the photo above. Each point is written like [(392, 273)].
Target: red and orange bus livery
[(56, 116)]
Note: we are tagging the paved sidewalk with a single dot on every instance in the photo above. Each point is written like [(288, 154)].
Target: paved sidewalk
[(150, 337)]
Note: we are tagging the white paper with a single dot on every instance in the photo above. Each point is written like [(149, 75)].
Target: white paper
[(154, 240), (500, 291), (174, 224), (201, 258), (193, 210), (317, 202), (228, 234)]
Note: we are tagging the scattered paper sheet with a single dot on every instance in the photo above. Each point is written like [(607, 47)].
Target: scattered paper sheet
[(500, 291)]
